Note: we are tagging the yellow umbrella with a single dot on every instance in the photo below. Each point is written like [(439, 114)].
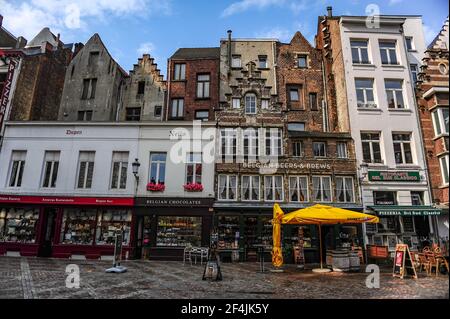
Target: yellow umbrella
[(277, 256), (325, 215)]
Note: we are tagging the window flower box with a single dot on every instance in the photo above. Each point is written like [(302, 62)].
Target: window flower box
[(153, 187), (193, 187)]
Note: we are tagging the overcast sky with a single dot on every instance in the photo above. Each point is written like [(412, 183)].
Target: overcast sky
[(130, 28)]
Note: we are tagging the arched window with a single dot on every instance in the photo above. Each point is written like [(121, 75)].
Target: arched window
[(250, 103)]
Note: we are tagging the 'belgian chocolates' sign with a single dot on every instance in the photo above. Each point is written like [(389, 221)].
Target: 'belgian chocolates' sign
[(174, 202), (377, 176)]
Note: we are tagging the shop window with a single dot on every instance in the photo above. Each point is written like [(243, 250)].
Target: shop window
[(85, 169), (388, 52), (228, 230), (203, 85), (133, 114), (179, 72), (273, 188), (78, 226), (402, 148), (385, 198), (320, 149), (227, 187), (388, 225), (321, 188), (417, 198), (250, 188), (394, 93), (250, 139), (109, 223), (371, 147), (265, 237), (51, 165), (250, 103), (392, 242), (194, 168), (228, 141), (250, 236), (408, 224), (157, 168), (298, 189), (119, 170), (342, 151), (179, 231), (273, 142), (18, 225), (348, 236), (345, 190), (17, 168)]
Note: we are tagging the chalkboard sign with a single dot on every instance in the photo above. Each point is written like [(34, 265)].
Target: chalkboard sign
[(403, 263)]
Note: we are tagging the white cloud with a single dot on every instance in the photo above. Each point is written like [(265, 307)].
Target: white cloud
[(394, 2), (430, 33), (282, 34), (28, 17), (146, 48), (244, 5)]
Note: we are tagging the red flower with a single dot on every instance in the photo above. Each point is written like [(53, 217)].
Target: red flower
[(193, 187), (152, 187)]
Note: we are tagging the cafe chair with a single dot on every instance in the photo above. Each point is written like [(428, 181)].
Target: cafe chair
[(424, 264), (434, 263), (187, 254)]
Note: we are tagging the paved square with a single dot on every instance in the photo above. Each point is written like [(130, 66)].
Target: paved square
[(46, 278)]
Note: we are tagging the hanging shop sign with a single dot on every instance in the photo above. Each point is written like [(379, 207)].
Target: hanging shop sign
[(174, 202), (406, 210), (51, 200), (4, 98), (380, 176)]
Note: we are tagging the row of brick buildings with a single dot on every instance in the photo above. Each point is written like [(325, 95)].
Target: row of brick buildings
[(357, 121)]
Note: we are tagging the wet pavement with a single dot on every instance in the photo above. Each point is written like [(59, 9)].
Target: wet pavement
[(37, 278)]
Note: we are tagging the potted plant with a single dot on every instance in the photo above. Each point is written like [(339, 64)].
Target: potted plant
[(193, 187), (155, 187)]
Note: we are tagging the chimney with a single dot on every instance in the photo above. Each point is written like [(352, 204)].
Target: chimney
[(1, 20), (78, 48), (330, 11), (21, 42), (229, 49)]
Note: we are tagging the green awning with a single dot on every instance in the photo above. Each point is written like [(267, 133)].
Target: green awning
[(405, 210)]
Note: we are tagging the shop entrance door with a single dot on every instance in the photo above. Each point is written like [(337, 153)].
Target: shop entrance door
[(328, 240), (48, 232), (143, 237)]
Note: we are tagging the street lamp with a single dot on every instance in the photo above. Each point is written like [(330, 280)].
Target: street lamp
[(363, 172), (136, 166)]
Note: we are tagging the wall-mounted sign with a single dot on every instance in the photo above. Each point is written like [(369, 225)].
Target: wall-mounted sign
[(406, 210), (174, 202), (72, 132), (51, 200), (4, 97), (277, 165), (378, 176)]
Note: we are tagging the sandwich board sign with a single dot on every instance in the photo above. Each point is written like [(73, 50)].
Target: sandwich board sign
[(403, 263), (117, 268)]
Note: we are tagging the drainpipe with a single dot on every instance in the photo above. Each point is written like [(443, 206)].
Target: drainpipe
[(325, 101), (275, 66), (169, 82), (229, 50)]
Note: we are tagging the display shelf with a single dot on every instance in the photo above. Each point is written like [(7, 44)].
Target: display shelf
[(178, 231), (19, 225), (228, 227)]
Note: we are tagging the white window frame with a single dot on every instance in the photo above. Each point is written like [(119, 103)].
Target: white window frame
[(413, 47), (291, 188), (227, 187), (344, 189), (177, 104), (444, 160), (367, 103), (20, 158), (194, 159), (342, 147), (158, 167), (414, 72), (402, 147), (251, 186), (203, 86), (89, 163), (275, 138), (360, 48), (273, 187), (250, 102), (50, 158), (372, 158), (263, 58), (119, 157), (228, 137), (394, 94), (265, 104), (324, 147), (236, 103), (299, 57), (440, 120), (321, 178), (252, 136), (302, 151), (179, 72), (388, 49)]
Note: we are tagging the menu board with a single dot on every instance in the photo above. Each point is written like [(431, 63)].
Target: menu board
[(403, 264)]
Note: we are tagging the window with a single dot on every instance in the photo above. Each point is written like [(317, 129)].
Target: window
[(297, 149), (51, 165), (236, 61), (440, 121), (177, 231), (203, 84), (177, 111), (360, 52), (250, 103), (119, 170), (133, 114), (408, 227), (313, 102), (344, 189), (293, 95), (394, 92), (84, 116), (417, 198), (265, 104), (157, 168), (342, 151), (19, 224), (364, 93), (180, 72), (262, 62), (228, 142), (93, 58), (296, 127), (78, 226), (371, 147), (194, 168), (409, 43), (158, 111), (443, 68), (273, 188), (141, 88), (320, 149), (298, 188), (85, 169), (250, 137), (202, 115), (302, 61), (414, 72), (321, 188), (250, 188), (273, 142), (227, 187), (89, 88), (443, 161), (17, 167), (388, 52), (402, 148), (385, 198), (236, 103), (109, 222)]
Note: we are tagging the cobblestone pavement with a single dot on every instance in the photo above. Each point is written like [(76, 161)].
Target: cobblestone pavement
[(46, 279)]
